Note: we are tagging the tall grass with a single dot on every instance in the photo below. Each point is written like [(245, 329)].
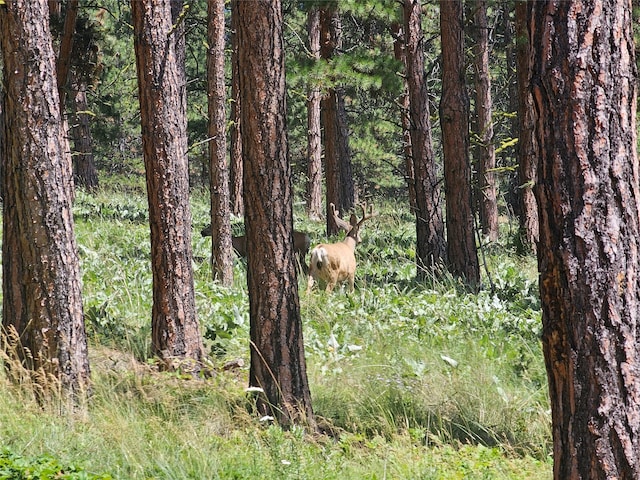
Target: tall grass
[(412, 380)]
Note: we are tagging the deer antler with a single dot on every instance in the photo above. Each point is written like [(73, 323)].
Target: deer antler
[(365, 217), (342, 224)]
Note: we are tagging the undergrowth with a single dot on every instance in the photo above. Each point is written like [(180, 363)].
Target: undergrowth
[(413, 379)]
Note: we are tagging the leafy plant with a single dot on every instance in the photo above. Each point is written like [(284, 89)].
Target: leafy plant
[(43, 467)]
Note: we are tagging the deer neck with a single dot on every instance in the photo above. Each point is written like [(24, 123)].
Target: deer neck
[(351, 242)]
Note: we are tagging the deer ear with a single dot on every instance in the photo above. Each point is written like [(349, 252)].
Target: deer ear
[(353, 220)]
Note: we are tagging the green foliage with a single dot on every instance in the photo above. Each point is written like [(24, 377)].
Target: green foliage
[(224, 319), (411, 379), (44, 467)]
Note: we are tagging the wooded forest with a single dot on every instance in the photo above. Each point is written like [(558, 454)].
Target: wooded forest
[(280, 145)]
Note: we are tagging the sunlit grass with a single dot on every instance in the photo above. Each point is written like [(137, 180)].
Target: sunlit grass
[(412, 379)]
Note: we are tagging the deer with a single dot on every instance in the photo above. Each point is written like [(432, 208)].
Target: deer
[(301, 244), (336, 262)]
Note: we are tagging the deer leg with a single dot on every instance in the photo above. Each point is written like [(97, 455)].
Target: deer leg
[(309, 283)]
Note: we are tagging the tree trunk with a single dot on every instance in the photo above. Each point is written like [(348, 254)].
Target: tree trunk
[(484, 149), (162, 93), (400, 55), (348, 194), (431, 246), (277, 349), (42, 302), (221, 249), (314, 144), (513, 195), (527, 157), (66, 47), (84, 166), (454, 119), (329, 107), (235, 150), (583, 84)]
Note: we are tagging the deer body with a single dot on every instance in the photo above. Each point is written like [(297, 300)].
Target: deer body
[(335, 263), (301, 244)]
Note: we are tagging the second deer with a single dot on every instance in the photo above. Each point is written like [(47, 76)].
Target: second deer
[(301, 244), (336, 262)]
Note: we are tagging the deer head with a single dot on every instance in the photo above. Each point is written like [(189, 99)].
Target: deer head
[(336, 262)]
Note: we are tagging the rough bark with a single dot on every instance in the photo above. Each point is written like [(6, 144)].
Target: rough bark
[(42, 301), (235, 148), (162, 95), (484, 149), (329, 107), (84, 166), (66, 47), (454, 120), (527, 158), (314, 140), (348, 194), (431, 245), (583, 84), (512, 197), (397, 32), (221, 249), (277, 349)]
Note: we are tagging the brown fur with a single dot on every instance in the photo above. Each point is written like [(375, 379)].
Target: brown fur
[(335, 263)]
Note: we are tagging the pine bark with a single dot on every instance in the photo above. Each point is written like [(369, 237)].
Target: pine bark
[(221, 249), (399, 49), (454, 120), (162, 93), (348, 193), (485, 152), (329, 108), (277, 349), (314, 126), (527, 163), (235, 148), (583, 85), (66, 48), (42, 301), (84, 166), (430, 241)]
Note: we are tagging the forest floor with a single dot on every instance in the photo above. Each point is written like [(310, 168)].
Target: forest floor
[(413, 379)]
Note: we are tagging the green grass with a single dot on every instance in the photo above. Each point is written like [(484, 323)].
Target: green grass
[(415, 380)]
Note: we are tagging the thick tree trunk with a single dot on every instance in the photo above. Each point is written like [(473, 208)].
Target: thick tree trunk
[(527, 158), (583, 83), (338, 168), (485, 160), (431, 245), (221, 249), (277, 349), (42, 301), (454, 119), (314, 140), (162, 93)]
